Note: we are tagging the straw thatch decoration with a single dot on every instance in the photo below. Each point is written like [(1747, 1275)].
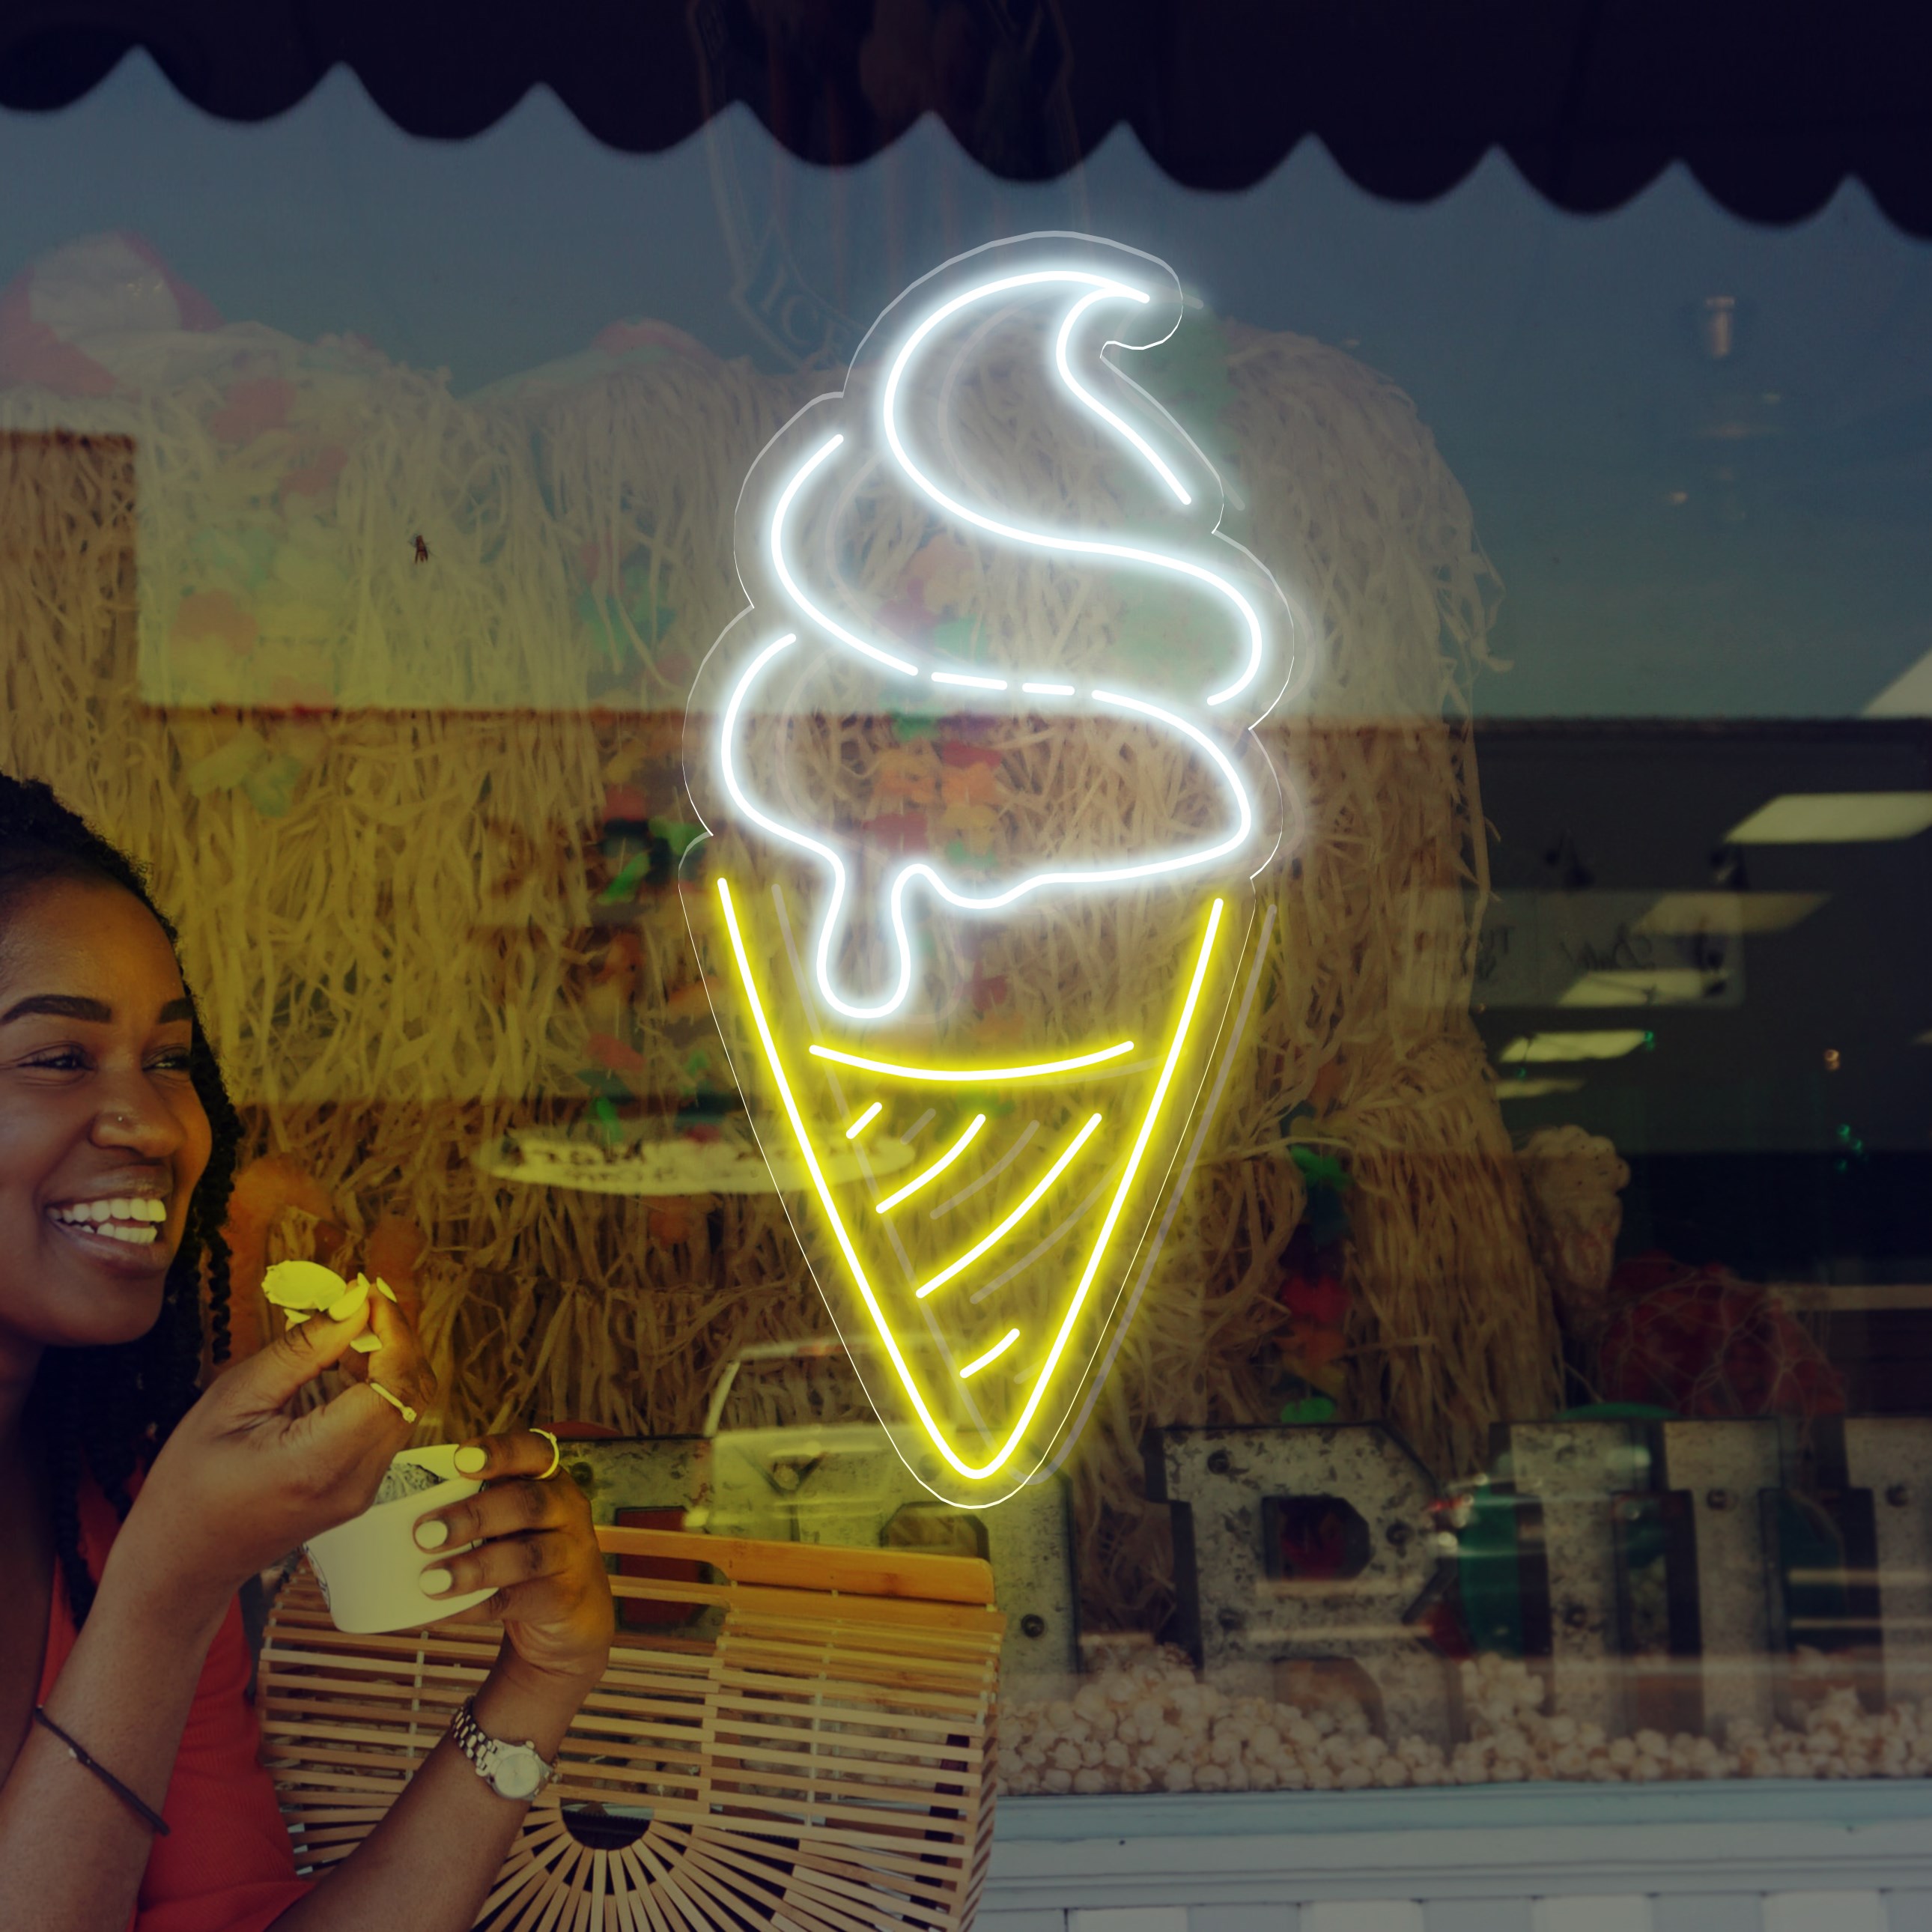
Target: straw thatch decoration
[(397, 920)]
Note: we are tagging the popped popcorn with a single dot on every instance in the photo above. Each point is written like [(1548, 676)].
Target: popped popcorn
[(1146, 1723)]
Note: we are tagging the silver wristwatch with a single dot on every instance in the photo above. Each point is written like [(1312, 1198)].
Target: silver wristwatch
[(514, 1770)]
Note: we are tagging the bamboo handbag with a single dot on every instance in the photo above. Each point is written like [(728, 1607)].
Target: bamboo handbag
[(802, 1741)]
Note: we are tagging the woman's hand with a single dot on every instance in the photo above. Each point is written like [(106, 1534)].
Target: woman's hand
[(536, 1551), (240, 1482)]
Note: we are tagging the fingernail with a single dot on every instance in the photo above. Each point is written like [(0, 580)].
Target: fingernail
[(383, 1288), (432, 1535), (365, 1345), (435, 1582), (471, 1460), (346, 1305)]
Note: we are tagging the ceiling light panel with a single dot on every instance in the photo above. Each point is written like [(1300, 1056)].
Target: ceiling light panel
[(1684, 915), (1651, 986), (1535, 1090), (1606, 1043), (1835, 818)]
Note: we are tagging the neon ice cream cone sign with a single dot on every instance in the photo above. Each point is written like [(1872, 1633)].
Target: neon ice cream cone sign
[(980, 1289)]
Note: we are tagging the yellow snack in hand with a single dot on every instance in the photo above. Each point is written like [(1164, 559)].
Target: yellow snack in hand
[(302, 1288)]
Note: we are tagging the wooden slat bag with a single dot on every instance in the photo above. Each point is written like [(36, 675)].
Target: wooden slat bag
[(810, 1749)]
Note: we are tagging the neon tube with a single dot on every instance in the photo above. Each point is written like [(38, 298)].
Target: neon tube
[(991, 1174), (1045, 1377), (1019, 1214), (937, 1167), (992, 1355), (1041, 540), (1043, 1380), (780, 564), (1186, 861), (1045, 1245), (1090, 879), (1099, 408), (791, 836), (1038, 1070), (1124, 1319), (865, 1119), (1088, 289), (818, 1181)]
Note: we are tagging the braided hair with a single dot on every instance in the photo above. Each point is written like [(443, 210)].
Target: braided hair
[(105, 1411)]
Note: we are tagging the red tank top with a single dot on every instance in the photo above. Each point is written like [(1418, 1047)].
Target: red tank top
[(226, 1865)]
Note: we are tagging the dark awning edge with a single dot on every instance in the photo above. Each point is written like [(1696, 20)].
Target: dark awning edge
[(1771, 108)]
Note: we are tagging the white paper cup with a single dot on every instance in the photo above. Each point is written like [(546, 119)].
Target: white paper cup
[(369, 1568)]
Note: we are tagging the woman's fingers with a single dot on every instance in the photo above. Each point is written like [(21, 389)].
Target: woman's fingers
[(507, 1565), (398, 1362), (269, 1377), (547, 1603), (263, 1384), (350, 1441), (362, 1428), (535, 1551), (337, 1452), (518, 1452), (513, 1508)]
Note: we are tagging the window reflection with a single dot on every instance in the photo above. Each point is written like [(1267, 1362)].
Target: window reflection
[(1530, 1384)]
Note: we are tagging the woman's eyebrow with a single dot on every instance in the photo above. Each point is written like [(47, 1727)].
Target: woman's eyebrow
[(60, 1006), (76, 1006)]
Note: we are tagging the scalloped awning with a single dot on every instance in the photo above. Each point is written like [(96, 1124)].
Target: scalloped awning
[(1771, 104)]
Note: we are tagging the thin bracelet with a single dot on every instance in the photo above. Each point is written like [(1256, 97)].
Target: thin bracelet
[(154, 1820)]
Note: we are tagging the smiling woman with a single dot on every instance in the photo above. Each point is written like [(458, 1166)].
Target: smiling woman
[(133, 1504), (123, 1329)]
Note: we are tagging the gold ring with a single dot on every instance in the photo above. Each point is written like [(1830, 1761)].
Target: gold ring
[(556, 1454)]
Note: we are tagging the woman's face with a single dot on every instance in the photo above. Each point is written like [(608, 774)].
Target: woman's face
[(102, 1135)]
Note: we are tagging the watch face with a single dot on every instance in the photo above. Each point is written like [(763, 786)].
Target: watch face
[(518, 1774)]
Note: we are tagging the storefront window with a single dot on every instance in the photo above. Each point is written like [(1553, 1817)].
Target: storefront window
[(1457, 1314)]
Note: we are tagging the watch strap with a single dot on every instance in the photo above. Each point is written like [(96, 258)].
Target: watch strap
[(481, 1749)]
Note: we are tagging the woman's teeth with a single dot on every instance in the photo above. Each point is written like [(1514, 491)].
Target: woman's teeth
[(134, 1218)]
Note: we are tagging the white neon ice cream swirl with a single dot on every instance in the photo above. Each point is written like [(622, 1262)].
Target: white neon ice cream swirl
[(905, 665), (1100, 287)]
